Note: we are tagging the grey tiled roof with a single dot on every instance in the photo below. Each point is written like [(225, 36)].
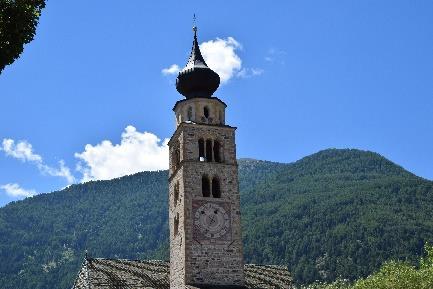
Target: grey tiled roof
[(97, 273)]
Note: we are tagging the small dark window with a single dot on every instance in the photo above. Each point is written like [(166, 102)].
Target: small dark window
[(216, 190), (176, 193), (206, 112), (176, 224), (201, 149), (189, 113), (205, 186), (209, 150), (216, 151), (176, 157)]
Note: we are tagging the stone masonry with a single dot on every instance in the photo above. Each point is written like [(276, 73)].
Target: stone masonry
[(204, 255)]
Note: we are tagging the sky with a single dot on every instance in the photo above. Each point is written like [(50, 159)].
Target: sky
[(92, 96)]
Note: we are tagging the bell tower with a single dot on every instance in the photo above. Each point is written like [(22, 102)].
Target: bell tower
[(204, 204)]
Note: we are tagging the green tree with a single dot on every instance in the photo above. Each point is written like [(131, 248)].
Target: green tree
[(18, 21), (401, 275), (392, 275)]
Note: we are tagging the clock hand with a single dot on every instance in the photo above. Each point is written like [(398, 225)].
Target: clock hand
[(212, 219)]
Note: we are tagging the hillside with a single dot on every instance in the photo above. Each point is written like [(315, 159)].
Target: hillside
[(334, 213), (337, 213)]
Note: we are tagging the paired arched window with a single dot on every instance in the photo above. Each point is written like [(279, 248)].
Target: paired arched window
[(216, 190), (216, 151), (209, 150), (201, 150), (205, 186), (209, 187)]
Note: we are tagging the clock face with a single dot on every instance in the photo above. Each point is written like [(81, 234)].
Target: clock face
[(212, 220)]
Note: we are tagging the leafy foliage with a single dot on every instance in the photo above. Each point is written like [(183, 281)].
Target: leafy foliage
[(392, 275), (18, 21), (337, 213)]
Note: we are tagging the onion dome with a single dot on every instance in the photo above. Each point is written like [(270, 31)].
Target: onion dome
[(196, 79)]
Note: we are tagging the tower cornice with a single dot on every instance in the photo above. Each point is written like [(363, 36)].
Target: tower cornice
[(197, 98)]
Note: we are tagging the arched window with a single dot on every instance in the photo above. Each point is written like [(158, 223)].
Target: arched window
[(209, 150), (216, 190), (216, 151), (189, 113), (206, 112), (221, 117), (176, 224), (201, 150), (176, 157), (176, 193), (205, 186)]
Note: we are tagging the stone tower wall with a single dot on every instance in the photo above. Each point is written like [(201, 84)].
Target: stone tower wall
[(177, 241), (194, 258), (208, 261)]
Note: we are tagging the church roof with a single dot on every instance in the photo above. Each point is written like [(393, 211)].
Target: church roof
[(97, 273), (196, 79)]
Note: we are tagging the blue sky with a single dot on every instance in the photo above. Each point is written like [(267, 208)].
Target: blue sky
[(301, 76)]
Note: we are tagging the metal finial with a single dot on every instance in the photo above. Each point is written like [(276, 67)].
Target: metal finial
[(194, 27)]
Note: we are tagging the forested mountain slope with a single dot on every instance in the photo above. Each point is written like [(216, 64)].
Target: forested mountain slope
[(337, 213), (334, 213)]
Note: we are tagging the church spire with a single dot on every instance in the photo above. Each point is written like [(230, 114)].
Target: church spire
[(196, 79)]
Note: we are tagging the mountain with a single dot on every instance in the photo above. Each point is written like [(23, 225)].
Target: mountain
[(334, 213), (337, 213)]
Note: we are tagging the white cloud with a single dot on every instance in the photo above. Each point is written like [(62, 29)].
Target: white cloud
[(23, 151), (14, 190), (136, 152), (62, 171), (173, 69), (276, 55), (221, 56), (249, 72)]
